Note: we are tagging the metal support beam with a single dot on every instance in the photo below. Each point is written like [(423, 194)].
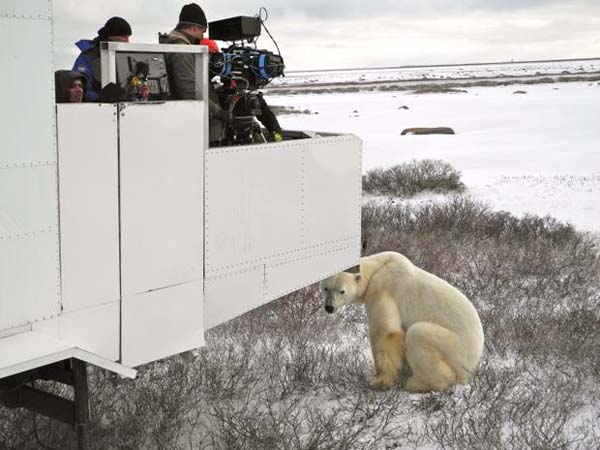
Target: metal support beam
[(41, 402), (82, 403), (73, 372)]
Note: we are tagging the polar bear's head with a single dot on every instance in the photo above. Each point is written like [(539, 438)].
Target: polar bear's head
[(340, 290)]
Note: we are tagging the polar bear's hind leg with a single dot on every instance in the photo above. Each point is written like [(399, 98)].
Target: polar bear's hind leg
[(428, 347)]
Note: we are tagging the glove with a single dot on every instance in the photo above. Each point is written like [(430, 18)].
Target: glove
[(277, 136)]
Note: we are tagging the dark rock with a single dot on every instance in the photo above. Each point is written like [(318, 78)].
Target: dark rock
[(434, 130), (438, 89), (403, 107), (519, 92)]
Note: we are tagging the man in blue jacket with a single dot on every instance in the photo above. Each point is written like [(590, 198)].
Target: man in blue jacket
[(116, 29)]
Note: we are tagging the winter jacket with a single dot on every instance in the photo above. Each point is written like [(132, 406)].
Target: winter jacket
[(88, 64), (63, 81), (181, 67), (182, 80)]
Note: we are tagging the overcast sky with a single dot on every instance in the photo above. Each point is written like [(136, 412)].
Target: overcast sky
[(334, 34)]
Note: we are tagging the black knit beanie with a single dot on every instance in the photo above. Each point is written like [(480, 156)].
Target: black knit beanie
[(115, 26), (193, 14)]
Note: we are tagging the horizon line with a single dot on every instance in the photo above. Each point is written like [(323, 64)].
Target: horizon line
[(446, 65)]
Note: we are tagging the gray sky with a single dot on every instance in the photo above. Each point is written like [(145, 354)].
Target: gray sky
[(333, 34)]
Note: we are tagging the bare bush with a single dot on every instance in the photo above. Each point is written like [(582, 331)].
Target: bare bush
[(509, 408), (289, 376), (408, 179)]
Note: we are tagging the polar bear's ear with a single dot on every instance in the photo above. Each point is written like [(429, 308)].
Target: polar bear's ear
[(357, 277)]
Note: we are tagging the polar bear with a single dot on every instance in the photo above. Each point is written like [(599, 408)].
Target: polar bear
[(413, 317)]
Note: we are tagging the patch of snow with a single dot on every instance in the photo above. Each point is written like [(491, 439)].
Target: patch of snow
[(537, 153)]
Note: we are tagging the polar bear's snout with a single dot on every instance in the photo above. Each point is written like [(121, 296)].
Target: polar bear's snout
[(329, 302)]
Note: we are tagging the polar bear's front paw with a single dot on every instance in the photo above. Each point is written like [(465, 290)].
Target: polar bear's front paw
[(382, 382), (415, 386)]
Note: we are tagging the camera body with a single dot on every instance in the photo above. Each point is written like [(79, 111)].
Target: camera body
[(253, 67), (242, 69)]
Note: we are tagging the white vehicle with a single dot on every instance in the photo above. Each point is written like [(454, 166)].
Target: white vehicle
[(124, 237)]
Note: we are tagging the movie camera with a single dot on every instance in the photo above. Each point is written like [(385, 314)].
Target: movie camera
[(252, 67), (243, 69)]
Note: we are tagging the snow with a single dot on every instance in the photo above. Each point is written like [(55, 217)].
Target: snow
[(441, 72), (535, 153)]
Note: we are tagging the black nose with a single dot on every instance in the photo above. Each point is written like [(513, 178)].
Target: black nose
[(329, 308)]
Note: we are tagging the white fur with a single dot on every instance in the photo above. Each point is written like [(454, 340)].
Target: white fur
[(414, 317)]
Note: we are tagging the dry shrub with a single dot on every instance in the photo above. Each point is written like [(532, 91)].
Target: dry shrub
[(289, 376), (408, 179), (517, 407)]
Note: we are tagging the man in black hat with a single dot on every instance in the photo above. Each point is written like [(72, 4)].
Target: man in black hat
[(181, 66), (116, 29)]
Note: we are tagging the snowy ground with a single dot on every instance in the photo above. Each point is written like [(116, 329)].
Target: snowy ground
[(440, 72), (537, 152)]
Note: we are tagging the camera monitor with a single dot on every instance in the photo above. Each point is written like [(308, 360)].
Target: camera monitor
[(150, 67), (234, 29)]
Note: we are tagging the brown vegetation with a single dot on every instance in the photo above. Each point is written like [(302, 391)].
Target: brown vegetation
[(289, 376)]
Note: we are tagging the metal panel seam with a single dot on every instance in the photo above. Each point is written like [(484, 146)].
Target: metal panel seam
[(54, 143), (15, 330), (233, 274), (311, 281), (277, 255), (286, 144), (30, 234), (28, 165), (32, 321), (25, 17), (162, 288), (60, 287), (359, 206), (95, 306), (312, 255), (117, 110), (206, 213)]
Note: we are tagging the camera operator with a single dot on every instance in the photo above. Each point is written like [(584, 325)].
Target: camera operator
[(181, 68), (266, 116)]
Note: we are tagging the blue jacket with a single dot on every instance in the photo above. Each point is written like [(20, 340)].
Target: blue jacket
[(88, 64)]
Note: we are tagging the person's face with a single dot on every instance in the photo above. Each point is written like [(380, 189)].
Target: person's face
[(118, 38), (76, 91), (197, 32)]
